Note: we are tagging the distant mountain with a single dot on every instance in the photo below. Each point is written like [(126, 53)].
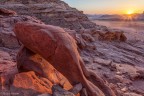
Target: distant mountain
[(140, 17), (95, 16), (116, 17), (111, 17)]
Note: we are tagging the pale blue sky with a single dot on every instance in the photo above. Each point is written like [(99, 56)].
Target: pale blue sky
[(107, 6)]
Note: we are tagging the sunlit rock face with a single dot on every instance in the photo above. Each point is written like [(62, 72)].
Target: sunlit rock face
[(29, 84), (29, 61), (120, 63)]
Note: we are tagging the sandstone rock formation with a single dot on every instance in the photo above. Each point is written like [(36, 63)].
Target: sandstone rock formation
[(29, 84), (60, 50), (9, 46), (54, 12), (119, 63), (112, 36), (8, 19), (29, 61)]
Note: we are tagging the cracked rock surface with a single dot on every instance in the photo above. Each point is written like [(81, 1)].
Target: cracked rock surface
[(119, 63)]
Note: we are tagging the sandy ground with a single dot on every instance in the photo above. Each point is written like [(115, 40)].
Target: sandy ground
[(134, 30)]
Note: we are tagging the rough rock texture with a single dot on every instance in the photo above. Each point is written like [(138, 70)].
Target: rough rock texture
[(7, 36), (7, 12), (113, 36), (54, 12), (8, 67), (62, 55), (9, 46), (28, 84), (76, 89), (29, 61), (120, 63), (58, 91)]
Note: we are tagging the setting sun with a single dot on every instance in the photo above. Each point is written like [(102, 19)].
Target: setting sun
[(130, 12)]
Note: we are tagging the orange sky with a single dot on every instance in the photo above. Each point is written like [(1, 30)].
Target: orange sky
[(107, 6)]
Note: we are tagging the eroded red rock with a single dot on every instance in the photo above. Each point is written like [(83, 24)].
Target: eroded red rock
[(28, 84), (60, 50), (8, 69), (7, 36), (29, 61), (7, 12)]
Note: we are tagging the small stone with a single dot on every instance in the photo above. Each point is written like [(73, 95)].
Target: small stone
[(87, 37), (76, 89), (58, 91), (102, 61), (124, 89), (118, 73), (83, 92), (44, 95)]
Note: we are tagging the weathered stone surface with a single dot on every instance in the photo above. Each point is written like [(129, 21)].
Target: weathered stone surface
[(7, 12), (102, 61), (28, 84), (80, 42), (126, 66), (87, 37), (29, 61), (84, 92), (53, 12), (8, 46), (129, 54), (58, 91), (112, 36), (8, 69), (44, 95), (76, 89), (131, 94), (7, 36), (62, 45)]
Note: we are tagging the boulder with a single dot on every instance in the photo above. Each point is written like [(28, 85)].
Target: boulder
[(76, 89), (113, 36), (7, 36), (29, 61), (53, 12), (58, 91), (28, 84), (60, 50)]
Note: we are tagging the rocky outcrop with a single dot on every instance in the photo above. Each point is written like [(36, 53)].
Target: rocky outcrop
[(119, 63), (28, 84), (7, 12), (63, 49), (7, 36), (8, 49), (8, 68), (29, 61), (58, 91), (54, 12), (112, 36)]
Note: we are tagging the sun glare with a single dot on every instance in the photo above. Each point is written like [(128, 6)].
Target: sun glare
[(129, 12)]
